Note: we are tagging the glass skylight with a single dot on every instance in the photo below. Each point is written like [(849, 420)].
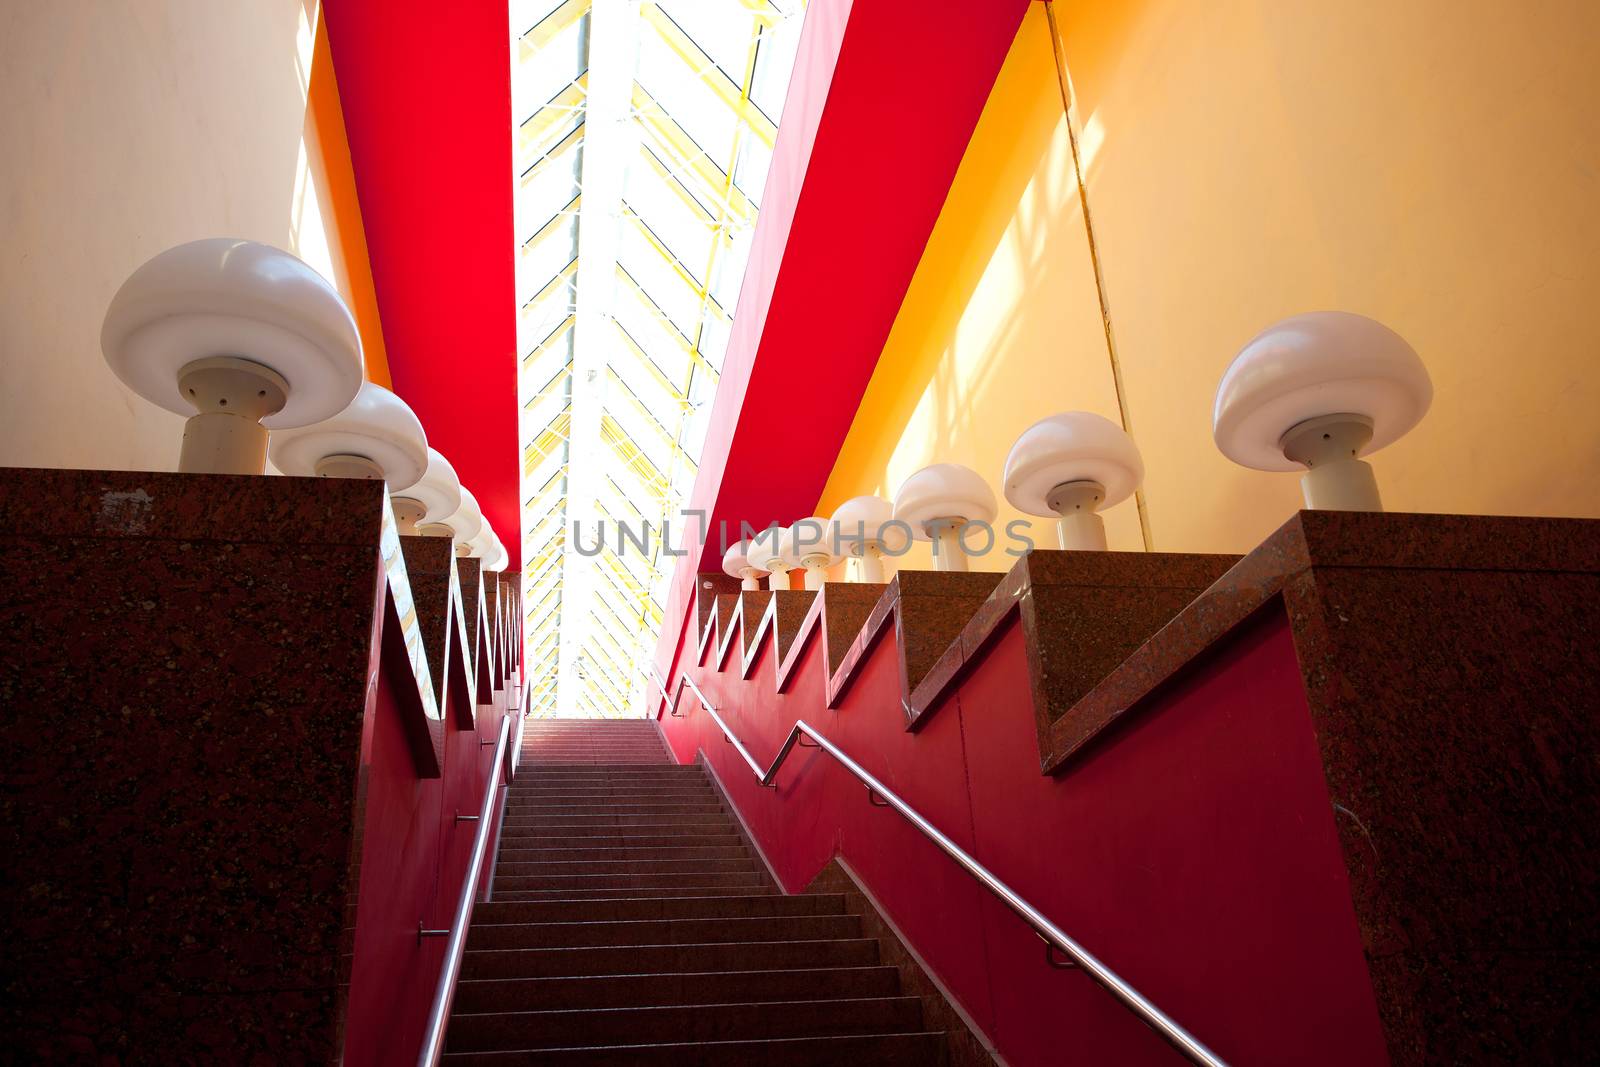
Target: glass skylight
[(645, 131)]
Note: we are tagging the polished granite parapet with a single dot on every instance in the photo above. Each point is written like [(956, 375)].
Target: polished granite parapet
[(186, 668), (430, 567), (1452, 670), (752, 607), (469, 577), (139, 505), (491, 605), (931, 608), (845, 607), (1082, 614), (789, 610), (708, 584), (726, 605), (510, 622)]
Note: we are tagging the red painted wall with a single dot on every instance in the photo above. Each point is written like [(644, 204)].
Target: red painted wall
[(881, 104), (426, 91), (1193, 850), (413, 856)]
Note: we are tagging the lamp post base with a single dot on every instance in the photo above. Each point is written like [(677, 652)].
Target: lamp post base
[(1335, 480)]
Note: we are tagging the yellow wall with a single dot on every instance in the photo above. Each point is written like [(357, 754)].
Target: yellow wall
[(130, 127), (1435, 166)]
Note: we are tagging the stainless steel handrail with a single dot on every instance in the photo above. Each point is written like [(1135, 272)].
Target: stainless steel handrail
[(522, 720), (445, 991), (1049, 932)]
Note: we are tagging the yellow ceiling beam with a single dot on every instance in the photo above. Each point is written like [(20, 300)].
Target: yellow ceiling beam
[(562, 218), (547, 29), (552, 156), (730, 93), (563, 277), (538, 131), (689, 156)]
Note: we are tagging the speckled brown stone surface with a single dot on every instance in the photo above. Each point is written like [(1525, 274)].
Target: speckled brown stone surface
[(469, 576), (1452, 669), (1083, 613), (931, 610), (725, 605), (510, 622), (752, 607), (431, 571), (789, 610), (706, 587), (844, 612), (186, 668), (444, 623), (491, 619)]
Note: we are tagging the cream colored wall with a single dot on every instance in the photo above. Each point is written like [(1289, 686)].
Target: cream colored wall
[(131, 126), (1434, 165), (1001, 325)]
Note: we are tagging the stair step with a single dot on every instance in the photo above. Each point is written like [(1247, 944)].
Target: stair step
[(513, 852), (589, 910), (608, 806), (632, 892), (647, 881), (612, 789), (568, 775), (663, 959), (723, 821), (571, 756), (643, 990), (553, 760), (552, 867), (678, 1022), (565, 775), (619, 753), (618, 788), (611, 837), (699, 931), (865, 1050)]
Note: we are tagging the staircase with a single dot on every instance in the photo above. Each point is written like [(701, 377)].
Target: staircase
[(630, 924)]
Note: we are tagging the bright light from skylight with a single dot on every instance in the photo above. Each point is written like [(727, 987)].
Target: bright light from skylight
[(645, 131)]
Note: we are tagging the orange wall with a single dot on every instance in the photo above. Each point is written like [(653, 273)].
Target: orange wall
[(329, 151), (1431, 165)]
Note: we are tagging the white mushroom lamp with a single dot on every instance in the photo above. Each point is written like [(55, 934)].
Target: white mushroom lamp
[(495, 557), (1073, 465), (937, 501), (766, 553), (806, 544), (377, 437), (480, 546), (1316, 392), (858, 524), (736, 564), (465, 523), (421, 508), (239, 336)]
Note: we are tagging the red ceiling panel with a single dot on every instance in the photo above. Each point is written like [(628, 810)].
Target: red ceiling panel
[(426, 90)]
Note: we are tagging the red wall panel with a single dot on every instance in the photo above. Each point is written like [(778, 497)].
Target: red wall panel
[(393, 975), (1193, 850), (414, 856)]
